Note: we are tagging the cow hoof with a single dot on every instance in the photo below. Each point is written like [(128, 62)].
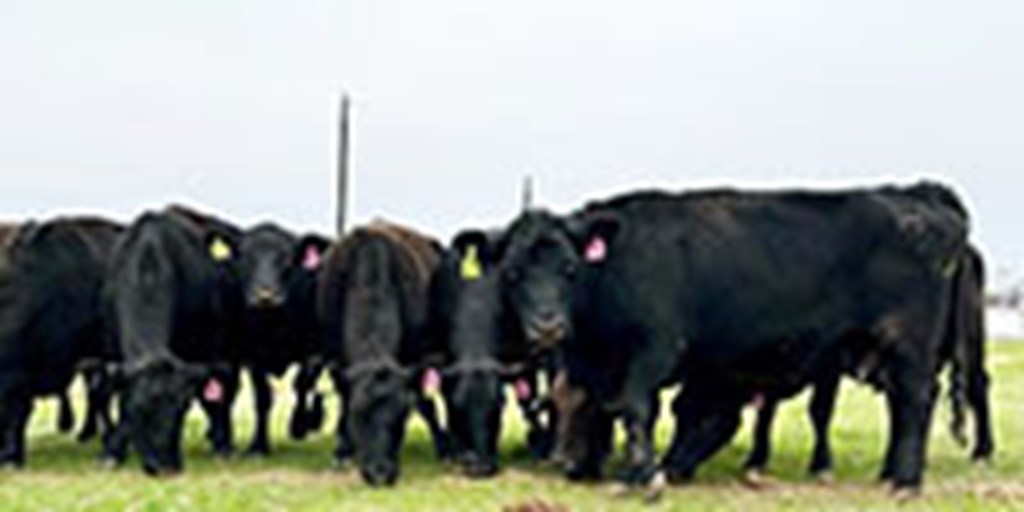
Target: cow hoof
[(755, 479), (260, 452), (224, 452), (905, 494), (620, 490), (677, 477), (656, 488), (576, 472), (824, 477)]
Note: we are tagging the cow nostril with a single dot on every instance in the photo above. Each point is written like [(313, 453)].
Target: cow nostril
[(265, 296), (380, 474), (549, 326), (548, 317)]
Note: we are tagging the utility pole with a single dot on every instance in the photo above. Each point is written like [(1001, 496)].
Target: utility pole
[(343, 166), (528, 193)]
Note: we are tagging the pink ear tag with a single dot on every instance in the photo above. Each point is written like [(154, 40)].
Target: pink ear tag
[(596, 251), (431, 382), (523, 390), (213, 392), (312, 258)]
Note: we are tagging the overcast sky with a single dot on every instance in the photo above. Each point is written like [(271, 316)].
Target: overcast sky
[(116, 106)]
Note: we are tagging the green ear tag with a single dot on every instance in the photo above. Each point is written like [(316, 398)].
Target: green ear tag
[(470, 269), (220, 250)]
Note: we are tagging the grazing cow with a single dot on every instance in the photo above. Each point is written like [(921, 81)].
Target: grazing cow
[(172, 296), (278, 275), (482, 351), (374, 303), (51, 276), (760, 290), (963, 348)]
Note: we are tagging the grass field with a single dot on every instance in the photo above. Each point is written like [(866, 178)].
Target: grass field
[(63, 475)]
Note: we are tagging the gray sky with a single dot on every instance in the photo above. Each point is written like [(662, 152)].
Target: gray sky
[(115, 106)]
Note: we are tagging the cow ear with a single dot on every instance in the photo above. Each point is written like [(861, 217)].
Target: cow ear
[(594, 233), (220, 246), (486, 245), (476, 251), (310, 251)]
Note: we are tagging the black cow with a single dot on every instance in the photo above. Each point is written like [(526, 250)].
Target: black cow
[(761, 289), (482, 351), (374, 302), (278, 273), (51, 276), (963, 349), (174, 311)]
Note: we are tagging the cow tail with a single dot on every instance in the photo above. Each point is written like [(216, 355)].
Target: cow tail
[(962, 340), (956, 349)]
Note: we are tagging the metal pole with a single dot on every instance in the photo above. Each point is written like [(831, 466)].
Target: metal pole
[(343, 171)]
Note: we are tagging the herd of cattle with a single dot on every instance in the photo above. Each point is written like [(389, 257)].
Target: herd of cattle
[(738, 297)]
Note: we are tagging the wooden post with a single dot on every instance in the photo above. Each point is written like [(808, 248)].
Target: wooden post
[(343, 167), (528, 193)]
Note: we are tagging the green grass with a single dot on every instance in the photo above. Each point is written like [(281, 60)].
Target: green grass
[(63, 475)]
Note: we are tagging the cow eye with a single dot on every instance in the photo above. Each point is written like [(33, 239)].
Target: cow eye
[(513, 275), (569, 270)]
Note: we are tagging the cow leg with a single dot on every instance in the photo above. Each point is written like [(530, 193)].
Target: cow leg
[(538, 438), (346, 448), (220, 432), (889, 461), (306, 418), (94, 380), (823, 403), (640, 457), (911, 400), (264, 401), (428, 411), (977, 396), (588, 442), (583, 431), (115, 440), (65, 415), (704, 424), (16, 414), (758, 459)]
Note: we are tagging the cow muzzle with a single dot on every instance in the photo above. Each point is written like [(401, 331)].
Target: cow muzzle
[(548, 331), (380, 474), (265, 297)]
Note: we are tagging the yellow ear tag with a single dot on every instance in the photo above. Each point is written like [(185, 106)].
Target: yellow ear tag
[(470, 267), (220, 250)]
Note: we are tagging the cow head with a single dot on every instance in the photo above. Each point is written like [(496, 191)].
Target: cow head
[(271, 259), (380, 397), (541, 257), (473, 391), (155, 397)]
